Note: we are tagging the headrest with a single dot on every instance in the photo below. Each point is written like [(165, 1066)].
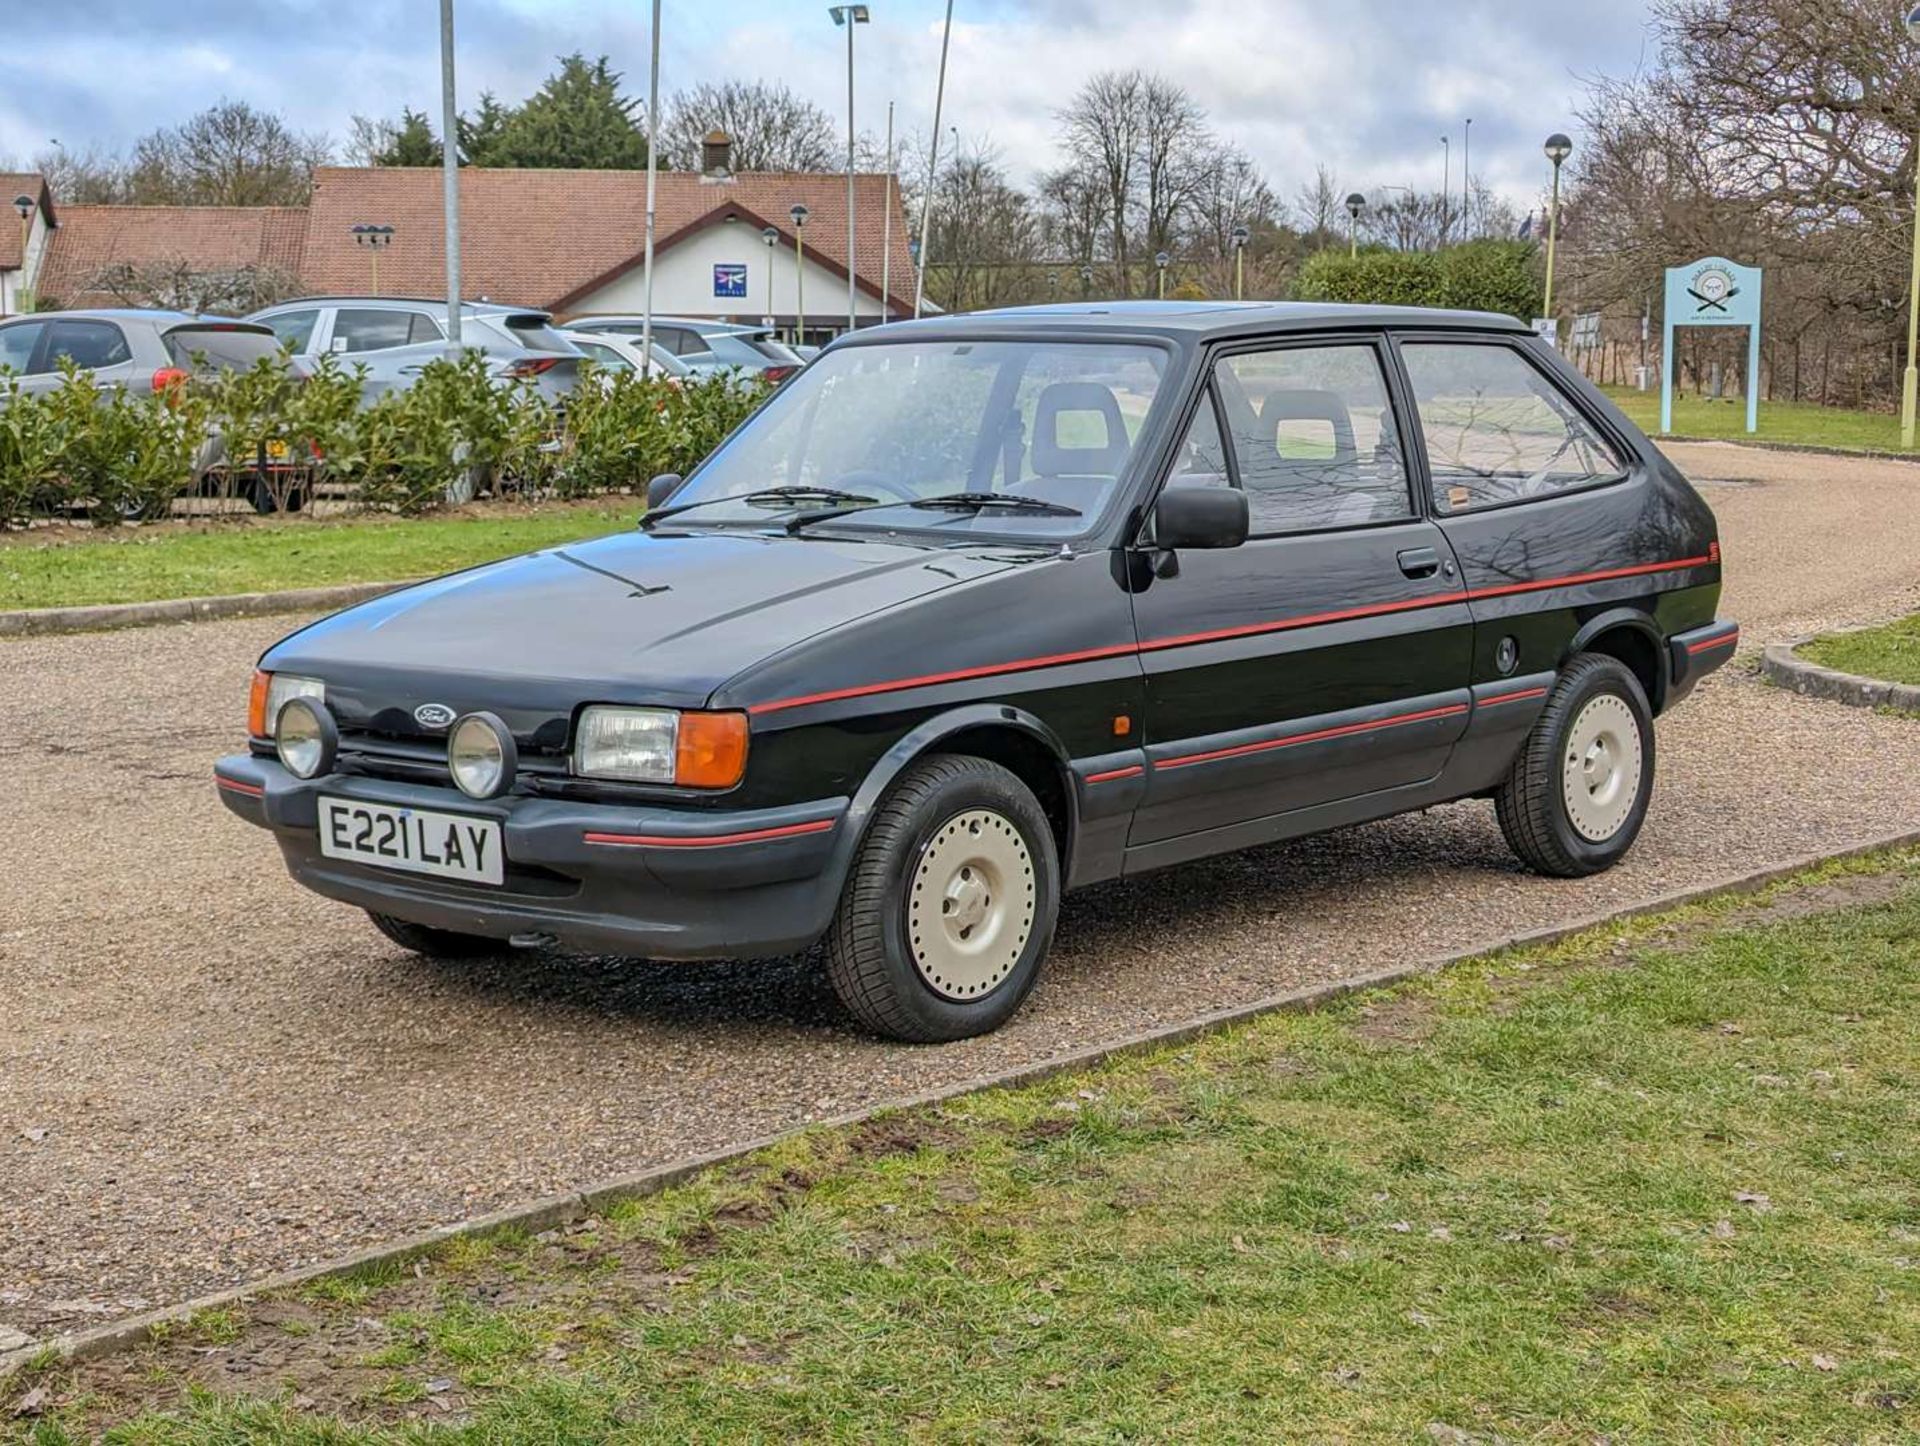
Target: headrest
[(1050, 459), (1286, 405)]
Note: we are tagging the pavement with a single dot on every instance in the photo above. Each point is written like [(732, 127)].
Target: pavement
[(208, 1075)]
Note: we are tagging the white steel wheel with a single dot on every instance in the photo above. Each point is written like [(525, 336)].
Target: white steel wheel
[(971, 904), (1601, 767)]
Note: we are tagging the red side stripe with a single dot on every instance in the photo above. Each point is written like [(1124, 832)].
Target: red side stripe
[(1450, 711), (236, 786), (1523, 694), (707, 841), (1108, 777), (1709, 644), (1152, 645)]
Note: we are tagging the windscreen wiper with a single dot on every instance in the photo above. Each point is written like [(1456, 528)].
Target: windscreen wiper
[(766, 494), (976, 501)]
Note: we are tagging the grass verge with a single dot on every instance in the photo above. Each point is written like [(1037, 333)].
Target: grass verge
[(1890, 653), (173, 560), (1805, 424), (1656, 1182)]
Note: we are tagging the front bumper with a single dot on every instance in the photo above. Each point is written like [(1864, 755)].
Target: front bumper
[(659, 882)]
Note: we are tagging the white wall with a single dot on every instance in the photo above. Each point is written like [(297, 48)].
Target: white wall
[(683, 282), (11, 282)]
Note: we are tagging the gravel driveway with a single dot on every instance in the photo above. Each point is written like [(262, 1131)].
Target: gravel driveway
[(207, 1074)]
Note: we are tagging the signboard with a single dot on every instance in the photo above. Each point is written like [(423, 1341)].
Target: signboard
[(1547, 328), (1712, 292), (1586, 331), (730, 278)]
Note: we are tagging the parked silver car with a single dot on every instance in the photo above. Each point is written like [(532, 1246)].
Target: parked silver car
[(706, 346), (395, 338), (614, 352), (142, 351)]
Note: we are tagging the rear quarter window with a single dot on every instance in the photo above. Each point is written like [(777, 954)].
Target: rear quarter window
[(89, 345), (1499, 430), (219, 349)]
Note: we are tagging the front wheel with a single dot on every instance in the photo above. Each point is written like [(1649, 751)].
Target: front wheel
[(949, 908), (1575, 799)]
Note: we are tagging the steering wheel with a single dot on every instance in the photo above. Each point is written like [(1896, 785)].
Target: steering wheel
[(865, 479)]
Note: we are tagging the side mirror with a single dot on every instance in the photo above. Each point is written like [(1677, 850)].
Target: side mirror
[(661, 488), (1208, 517)]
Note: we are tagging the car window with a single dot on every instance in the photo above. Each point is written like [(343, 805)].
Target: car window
[(1497, 430), (359, 328), (604, 356), (424, 328), (90, 345), (1313, 437), (295, 328), (1053, 424), (17, 343), (1202, 458), (208, 349)]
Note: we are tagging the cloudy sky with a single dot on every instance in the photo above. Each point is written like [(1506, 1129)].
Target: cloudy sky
[(1366, 86)]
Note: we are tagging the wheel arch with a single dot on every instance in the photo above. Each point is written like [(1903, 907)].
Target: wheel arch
[(1011, 737), (1633, 639)]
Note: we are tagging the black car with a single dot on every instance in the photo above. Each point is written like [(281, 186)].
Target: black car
[(980, 609)]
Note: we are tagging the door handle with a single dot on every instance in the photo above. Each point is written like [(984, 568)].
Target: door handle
[(1419, 562)]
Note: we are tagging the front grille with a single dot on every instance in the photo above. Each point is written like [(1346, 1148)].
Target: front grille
[(371, 756)]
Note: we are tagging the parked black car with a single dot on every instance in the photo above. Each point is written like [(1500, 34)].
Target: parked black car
[(983, 608)]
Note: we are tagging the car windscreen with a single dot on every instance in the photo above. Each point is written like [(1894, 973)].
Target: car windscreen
[(1047, 429), (219, 348)]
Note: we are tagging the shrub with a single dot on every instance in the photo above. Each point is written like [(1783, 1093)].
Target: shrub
[(1500, 276), (29, 453)]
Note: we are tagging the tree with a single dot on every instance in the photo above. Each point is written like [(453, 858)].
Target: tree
[(409, 141), (1322, 210), (177, 285), (577, 119), (480, 138), (771, 128), (227, 155), (986, 239), (87, 177), (1102, 127)]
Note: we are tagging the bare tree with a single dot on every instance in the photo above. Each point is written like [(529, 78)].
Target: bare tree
[(177, 284), (772, 129), (986, 238), (1103, 126), (228, 155), (1073, 215), (1321, 209), (1175, 148)]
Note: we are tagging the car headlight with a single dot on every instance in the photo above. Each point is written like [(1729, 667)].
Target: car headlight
[(482, 756), (305, 738), (660, 745), (272, 692)]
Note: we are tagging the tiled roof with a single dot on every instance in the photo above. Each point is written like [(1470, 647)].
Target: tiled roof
[(543, 238), (18, 183), (91, 238)]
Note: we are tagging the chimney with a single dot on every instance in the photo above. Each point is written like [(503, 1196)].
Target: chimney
[(716, 156)]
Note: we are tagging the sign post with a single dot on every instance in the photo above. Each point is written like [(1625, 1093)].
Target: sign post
[(1712, 292)]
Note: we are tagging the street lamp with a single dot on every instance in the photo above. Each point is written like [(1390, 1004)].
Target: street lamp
[(1558, 148), (1053, 286), (771, 235), (1911, 386), (1240, 235), (375, 239), (25, 205), (1356, 203), (1160, 260), (850, 16), (799, 213), (1086, 282), (1446, 185)]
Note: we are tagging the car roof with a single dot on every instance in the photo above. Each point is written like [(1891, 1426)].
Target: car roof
[(739, 328), (157, 315), (478, 308), (1199, 319)]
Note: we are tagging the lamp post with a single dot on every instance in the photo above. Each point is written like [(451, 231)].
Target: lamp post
[(1240, 235), (850, 16), (1160, 260), (1356, 203), (25, 205), (799, 214), (1910, 386), (771, 235), (886, 229), (375, 239), (933, 170), (1446, 185), (1086, 282), (653, 173), (450, 176), (1466, 179), (1558, 148), (1053, 285)]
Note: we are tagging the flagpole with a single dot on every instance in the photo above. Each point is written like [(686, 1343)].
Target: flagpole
[(653, 168), (933, 158), (886, 229)]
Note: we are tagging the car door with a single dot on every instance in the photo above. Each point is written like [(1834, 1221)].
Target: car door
[(92, 345), (295, 329), (19, 346), (1325, 659)]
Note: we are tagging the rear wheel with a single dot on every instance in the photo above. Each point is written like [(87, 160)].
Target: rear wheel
[(435, 943), (1577, 795), (949, 909)]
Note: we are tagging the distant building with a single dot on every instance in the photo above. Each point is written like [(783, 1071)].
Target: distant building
[(571, 242), (23, 245)]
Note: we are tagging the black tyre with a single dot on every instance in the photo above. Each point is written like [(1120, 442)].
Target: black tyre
[(950, 905), (1577, 795), (435, 943)]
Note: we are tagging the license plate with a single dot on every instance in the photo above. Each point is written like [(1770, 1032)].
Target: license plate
[(278, 451), (418, 840)]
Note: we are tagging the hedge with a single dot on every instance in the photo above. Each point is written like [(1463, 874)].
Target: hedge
[(100, 450), (1501, 276)]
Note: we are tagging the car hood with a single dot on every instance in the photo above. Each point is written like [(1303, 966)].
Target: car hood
[(662, 618)]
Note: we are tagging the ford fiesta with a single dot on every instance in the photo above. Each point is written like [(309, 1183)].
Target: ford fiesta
[(978, 610)]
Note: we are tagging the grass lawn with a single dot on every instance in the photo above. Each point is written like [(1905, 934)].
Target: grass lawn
[(1655, 1183), (245, 555), (1890, 653), (1790, 423)]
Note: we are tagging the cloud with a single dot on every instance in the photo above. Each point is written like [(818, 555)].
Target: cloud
[(1366, 87)]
